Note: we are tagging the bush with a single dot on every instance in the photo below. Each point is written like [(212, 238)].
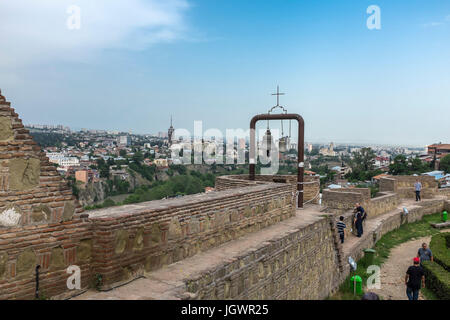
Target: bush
[(437, 273), (437, 279), (441, 253)]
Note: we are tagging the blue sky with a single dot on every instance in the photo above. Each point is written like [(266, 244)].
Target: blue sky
[(134, 63)]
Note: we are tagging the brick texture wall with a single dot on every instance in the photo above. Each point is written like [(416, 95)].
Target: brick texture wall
[(308, 263), (40, 220), (395, 221), (304, 264), (444, 192), (384, 202), (132, 239), (404, 186), (311, 185), (42, 223), (340, 200)]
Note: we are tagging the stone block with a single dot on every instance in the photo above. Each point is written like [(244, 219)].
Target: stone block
[(121, 241), (84, 250), (6, 131), (57, 260), (3, 264), (69, 210), (24, 174), (139, 240), (40, 214), (26, 263)]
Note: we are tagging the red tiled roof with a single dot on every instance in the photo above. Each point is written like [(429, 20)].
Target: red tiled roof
[(380, 176), (440, 146)]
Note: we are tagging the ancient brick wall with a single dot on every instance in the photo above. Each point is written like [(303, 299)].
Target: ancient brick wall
[(132, 239), (234, 181), (40, 219), (301, 265), (444, 192), (391, 223), (404, 186), (305, 264), (54, 247), (41, 223), (388, 185), (383, 203), (338, 201), (311, 185)]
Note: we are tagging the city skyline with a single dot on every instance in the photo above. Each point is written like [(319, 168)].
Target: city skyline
[(220, 64), (158, 133)]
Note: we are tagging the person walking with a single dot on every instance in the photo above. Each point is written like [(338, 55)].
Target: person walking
[(424, 253), (358, 221), (341, 226), (414, 280), (418, 189)]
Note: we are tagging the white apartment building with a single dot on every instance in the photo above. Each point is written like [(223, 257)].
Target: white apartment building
[(62, 160), (69, 162)]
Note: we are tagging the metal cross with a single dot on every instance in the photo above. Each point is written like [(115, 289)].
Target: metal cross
[(278, 94)]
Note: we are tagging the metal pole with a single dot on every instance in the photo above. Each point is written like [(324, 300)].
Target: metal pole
[(36, 294), (300, 155), (300, 161)]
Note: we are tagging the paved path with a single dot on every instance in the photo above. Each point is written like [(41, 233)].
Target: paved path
[(371, 225), (394, 269)]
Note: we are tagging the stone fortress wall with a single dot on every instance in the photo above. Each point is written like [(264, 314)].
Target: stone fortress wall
[(40, 220), (392, 190), (339, 201), (133, 239), (42, 223), (403, 186), (311, 185), (304, 264)]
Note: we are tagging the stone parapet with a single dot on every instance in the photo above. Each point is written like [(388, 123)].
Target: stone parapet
[(132, 239)]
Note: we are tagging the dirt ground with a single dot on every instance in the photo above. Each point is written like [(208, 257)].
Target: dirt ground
[(394, 269)]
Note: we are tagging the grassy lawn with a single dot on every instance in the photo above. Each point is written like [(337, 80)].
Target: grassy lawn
[(383, 248)]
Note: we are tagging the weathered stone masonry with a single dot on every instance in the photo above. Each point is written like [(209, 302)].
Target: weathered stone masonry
[(307, 263), (40, 221), (303, 264), (310, 192), (132, 239)]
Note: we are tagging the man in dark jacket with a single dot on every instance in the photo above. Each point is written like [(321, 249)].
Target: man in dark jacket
[(414, 280), (360, 215)]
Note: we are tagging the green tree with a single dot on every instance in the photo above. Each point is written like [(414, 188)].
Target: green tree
[(138, 157), (400, 165), (363, 159), (103, 168), (362, 165), (445, 163), (404, 166)]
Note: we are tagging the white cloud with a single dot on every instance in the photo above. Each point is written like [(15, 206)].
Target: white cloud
[(432, 24), (34, 31)]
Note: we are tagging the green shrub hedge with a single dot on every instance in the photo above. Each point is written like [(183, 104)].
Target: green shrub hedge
[(437, 273), (439, 245), (437, 279)]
